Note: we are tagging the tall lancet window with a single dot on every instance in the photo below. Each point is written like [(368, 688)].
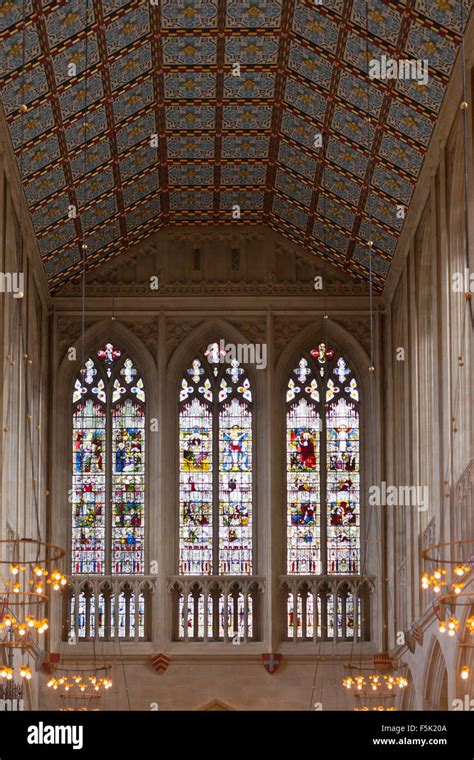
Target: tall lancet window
[(322, 461), (215, 466), (108, 480)]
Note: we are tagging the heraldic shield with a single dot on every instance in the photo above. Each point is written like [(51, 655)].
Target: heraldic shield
[(160, 662), (271, 662)]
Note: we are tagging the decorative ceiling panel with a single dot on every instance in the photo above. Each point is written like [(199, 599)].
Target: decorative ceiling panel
[(144, 114)]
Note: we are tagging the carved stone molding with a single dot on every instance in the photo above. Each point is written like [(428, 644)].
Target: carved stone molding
[(358, 328), (285, 330), (254, 330), (145, 329), (270, 286), (177, 330), (69, 331)]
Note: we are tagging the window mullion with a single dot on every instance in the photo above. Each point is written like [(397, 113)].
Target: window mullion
[(323, 489), (215, 487), (108, 482)]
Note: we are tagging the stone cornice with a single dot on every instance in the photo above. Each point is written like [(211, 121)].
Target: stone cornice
[(268, 287)]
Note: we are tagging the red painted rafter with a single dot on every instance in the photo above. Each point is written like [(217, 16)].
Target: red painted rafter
[(280, 81), (320, 154), (108, 101), (221, 16), (69, 190), (379, 130), (160, 115)]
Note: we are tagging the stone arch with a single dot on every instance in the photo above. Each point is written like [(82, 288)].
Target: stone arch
[(202, 335), (435, 682), (407, 699), (342, 341), (464, 657), (339, 337), (206, 332), (61, 430)]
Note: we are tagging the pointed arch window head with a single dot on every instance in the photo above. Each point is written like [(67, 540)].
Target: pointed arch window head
[(215, 466), (108, 480), (323, 481)]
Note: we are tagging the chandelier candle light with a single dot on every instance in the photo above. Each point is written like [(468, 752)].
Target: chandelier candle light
[(450, 587)]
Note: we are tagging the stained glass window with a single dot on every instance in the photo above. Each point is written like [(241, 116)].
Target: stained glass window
[(215, 467), (322, 460), (216, 619), (89, 473), (128, 487), (108, 466), (343, 532)]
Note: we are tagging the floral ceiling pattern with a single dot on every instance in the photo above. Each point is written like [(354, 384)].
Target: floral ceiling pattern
[(147, 113)]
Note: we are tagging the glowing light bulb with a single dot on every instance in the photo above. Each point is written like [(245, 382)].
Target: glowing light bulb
[(465, 673), (14, 569)]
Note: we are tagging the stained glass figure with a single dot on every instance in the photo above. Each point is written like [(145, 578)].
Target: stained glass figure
[(195, 488), (235, 488), (108, 396), (128, 487), (79, 616), (137, 610), (185, 617), (108, 355), (343, 487), (349, 616), (121, 615), (322, 353), (295, 616), (215, 440), (192, 624), (88, 485), (214, 353), (333, 428), (330, 616), (303, 488)]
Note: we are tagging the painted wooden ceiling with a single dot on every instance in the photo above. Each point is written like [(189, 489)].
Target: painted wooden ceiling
[(139, 118)]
